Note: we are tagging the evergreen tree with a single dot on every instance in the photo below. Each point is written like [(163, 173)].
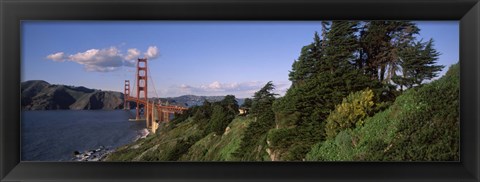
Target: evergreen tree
[(381, 42), (418, 64), (253, 144), (230, 102), (222, 114), (305, 67), (427, 69), (263, 99), (247, 103)]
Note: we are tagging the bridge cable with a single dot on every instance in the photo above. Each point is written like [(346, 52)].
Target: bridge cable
[(135, 82), (150, 76)]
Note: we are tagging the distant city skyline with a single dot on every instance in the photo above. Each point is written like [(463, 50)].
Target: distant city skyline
[(209, 58)]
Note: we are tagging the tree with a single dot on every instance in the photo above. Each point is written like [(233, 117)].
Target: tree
[(418, 63), (263, 99), (381, 42), (230, 102), (247, 103), (223, 113), (219, 121), (305, 67), (253, 143)]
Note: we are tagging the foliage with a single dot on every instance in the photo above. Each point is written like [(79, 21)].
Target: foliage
[(263, 99), (311, 100), (381, 42), (219, 120), (230, 104), (418, 64), (350, 113), (253, 144), (422, 125), (247, 103)]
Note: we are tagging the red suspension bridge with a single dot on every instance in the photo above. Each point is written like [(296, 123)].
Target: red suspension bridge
[(153, 113)]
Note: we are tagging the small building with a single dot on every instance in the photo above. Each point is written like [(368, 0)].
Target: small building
[(243, 111)]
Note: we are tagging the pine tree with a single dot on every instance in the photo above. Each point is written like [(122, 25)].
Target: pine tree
[(253, 144), (247, 103), (381, 42), (263, 99), (305, 67), (230, 102), (418, 64)]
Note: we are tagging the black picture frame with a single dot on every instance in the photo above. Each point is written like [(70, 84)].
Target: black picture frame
[(12, 12)]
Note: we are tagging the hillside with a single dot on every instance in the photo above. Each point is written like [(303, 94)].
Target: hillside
[(422, 125), (40, 95), (417, 126)]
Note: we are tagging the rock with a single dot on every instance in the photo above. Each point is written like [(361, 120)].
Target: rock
[(76, 152), (135, 146), (227, 130)]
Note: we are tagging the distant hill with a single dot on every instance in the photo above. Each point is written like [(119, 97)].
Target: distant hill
[(193, 100), (41, 95)]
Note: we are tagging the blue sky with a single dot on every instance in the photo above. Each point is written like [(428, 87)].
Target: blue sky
[(185, 57)]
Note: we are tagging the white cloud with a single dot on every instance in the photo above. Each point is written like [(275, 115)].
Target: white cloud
[(105, 60), (132, 54), (215, 85), (152, 52), (100, 60), (59, 57), (240, 90)]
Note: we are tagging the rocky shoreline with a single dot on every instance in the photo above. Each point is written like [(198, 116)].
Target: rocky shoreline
[(102, 152), (92, 155)]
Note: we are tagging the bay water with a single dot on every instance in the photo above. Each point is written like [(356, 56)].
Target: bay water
[(55, 135)]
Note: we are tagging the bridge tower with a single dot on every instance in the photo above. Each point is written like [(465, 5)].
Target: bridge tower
[(141, 85), (126, 94)]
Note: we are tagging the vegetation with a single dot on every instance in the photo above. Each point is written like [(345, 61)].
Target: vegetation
[(350, 113), (417, 127), (358, 93)]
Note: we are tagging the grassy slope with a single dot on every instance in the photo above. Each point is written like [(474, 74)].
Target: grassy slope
[(184, 142), (422, 125), (219, 147), (163, 146)]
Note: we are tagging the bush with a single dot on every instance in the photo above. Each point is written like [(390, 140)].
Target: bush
[(350, 113)]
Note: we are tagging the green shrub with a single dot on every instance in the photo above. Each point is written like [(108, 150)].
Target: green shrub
[(350, 113)]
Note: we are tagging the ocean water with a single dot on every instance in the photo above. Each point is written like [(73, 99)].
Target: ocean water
[(56, 135)]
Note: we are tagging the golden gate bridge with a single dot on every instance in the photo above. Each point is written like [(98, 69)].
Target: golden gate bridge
[(153, 113)]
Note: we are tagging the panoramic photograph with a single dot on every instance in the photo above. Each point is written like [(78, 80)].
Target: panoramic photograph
[(312, 91)]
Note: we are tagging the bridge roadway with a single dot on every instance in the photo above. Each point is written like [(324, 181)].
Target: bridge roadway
[(153, 118), (160, 108)]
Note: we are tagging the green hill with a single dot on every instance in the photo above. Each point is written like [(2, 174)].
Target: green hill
[(418, 126), (423, 124)]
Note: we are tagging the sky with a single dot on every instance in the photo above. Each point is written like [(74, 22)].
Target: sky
[(184, 57)]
